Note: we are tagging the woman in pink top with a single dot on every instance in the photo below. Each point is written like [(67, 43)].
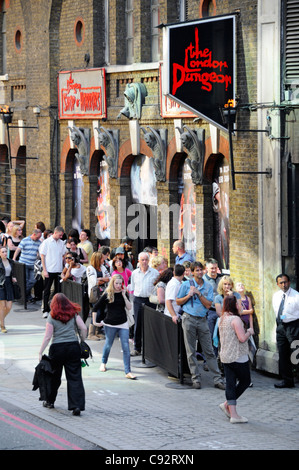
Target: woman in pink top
[(118, 267)]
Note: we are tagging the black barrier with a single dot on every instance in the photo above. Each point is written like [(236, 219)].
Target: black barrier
[(20, 273), (163, 343), (75, 292)]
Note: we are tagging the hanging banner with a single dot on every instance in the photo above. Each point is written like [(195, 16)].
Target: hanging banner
[(200, 65), (82, 94)]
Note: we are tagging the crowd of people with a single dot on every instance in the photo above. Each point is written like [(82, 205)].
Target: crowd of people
[(216, 317)]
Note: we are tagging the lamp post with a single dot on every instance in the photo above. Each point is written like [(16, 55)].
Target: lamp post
[(6, 113), (228, 114)]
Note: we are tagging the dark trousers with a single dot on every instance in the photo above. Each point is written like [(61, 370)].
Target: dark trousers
[(286, 333), (53, 277), (67, 355), (236, 371), (137, 306)]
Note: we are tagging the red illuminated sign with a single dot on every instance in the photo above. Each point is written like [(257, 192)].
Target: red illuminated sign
[(200, 63), (82, 94)]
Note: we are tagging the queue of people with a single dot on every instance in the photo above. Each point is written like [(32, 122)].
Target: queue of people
[(204, 300)]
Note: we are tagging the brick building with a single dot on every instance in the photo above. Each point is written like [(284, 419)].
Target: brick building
[(109, 49)]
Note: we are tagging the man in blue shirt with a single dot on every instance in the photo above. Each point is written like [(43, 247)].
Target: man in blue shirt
[(195, 298), (178, 249), (29, 247)]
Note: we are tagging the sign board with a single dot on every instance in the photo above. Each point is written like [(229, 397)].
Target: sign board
[(199, 63), (82, 94)]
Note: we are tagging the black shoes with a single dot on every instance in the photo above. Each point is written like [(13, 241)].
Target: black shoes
[(47, 404), (135, 353), (284, 384), (76, 412)]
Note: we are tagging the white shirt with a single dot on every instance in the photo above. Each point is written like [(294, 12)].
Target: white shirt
[(78, 273), (291, 305), (171, 291), (53, 250), (142, 284)]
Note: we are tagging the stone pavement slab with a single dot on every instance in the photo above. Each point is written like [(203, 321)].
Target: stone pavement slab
[(152, 413)]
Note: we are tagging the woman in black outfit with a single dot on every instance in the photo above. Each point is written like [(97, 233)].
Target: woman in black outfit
[(6, 286)]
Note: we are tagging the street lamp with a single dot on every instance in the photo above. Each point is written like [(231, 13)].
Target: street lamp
[(228, 115)]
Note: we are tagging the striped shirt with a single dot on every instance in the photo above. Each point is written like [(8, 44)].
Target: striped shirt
[(29, 249)]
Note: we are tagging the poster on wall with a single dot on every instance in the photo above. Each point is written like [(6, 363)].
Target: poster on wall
[(200, 65), (143, 181), (102, 228), (220, 201), (77, 197), (187, 219)]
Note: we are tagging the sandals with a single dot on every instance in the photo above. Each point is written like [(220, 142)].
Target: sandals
[(103, 367), (131, 376)]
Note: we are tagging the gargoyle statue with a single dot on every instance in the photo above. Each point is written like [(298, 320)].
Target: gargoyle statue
[(109, 140), (194, 143), (135, 94), (156, 141), (81, 139)]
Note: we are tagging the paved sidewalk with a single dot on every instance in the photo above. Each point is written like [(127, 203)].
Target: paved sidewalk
[(151, 413)]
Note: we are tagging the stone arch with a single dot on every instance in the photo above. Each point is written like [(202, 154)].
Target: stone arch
[(211, 158), (126, 157)]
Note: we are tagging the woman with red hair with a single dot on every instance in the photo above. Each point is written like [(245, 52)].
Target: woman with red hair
[(62, 326)]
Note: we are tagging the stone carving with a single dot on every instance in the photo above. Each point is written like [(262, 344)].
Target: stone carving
[(156, 140), (109, 140), (81, 139), (194, 143), (135, 94)]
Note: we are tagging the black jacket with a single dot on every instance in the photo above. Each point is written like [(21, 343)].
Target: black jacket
[(2, 271), (42, 378)]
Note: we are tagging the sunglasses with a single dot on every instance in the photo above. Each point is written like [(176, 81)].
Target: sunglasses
[(68, 257)]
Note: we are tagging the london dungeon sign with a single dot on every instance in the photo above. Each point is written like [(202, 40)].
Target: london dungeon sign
[(199, 65)]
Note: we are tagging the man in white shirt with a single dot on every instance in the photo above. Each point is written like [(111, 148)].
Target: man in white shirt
[(286, 307), (52, 251), (172, 309), (142, 285)]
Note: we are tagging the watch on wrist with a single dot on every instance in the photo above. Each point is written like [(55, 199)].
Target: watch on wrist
[(200, 295)]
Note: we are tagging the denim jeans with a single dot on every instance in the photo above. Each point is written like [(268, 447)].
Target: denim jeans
[(30, 279), (110, 333), (236, 371)]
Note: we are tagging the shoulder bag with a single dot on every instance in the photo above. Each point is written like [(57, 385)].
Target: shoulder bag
[(130, 317), (153, 298)]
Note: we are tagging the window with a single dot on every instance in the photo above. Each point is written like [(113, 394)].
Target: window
[(18, 40), (129, 31), (183, 10), (154, 30), (79, 31), (291, 41), (106, 13), (3, 38), (207, 8)]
